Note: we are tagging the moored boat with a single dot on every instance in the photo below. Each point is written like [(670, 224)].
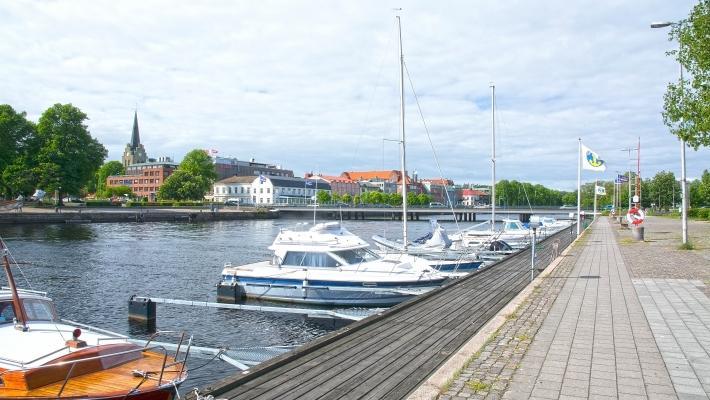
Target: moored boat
[(328, 265), (44, 357)]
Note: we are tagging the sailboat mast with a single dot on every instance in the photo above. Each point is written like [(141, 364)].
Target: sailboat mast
[(493, 157), (402, 143), (16, 302)]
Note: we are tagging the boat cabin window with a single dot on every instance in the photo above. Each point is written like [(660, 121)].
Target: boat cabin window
[(512, 226), (36, 310), (357, 256), (308, 259)]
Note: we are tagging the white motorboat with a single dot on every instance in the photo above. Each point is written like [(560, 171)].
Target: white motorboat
[(512, 232), (44, 357), (328, 265)]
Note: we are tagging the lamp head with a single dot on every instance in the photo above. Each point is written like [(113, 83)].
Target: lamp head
[(663, 24)]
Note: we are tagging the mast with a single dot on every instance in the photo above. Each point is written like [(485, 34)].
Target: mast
[(493, 157), (402, 143), (16, 303)]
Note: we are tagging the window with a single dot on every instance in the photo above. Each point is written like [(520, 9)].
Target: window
[(268, 190), (306, 259), (356, 256), (261, 190)]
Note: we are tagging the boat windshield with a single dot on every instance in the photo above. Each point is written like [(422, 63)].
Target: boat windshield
[(512, 226), (36, 310), (309, 259), (357, 256)]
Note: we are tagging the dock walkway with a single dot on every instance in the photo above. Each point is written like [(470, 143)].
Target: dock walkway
[(614, 322), (390, 355)]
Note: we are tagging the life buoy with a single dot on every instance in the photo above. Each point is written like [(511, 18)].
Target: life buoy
[(635, 216)]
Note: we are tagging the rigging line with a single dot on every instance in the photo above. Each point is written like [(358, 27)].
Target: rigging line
[(526, 197), (372, 98), (17, 265), (436, 157)]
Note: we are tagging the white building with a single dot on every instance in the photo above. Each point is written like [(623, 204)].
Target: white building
[(266, 189)]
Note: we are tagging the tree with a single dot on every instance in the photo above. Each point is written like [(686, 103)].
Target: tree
[(106, 170), (662, 190), (686, 109), (700, 191), (347, 198), (191, 180), (68, 155), (17, 138), (323, 196)]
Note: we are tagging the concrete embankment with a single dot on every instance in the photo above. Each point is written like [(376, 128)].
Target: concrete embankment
[(76, 216)]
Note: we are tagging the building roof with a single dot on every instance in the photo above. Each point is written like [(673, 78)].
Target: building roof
[(439, 181), (135, 137), (371, 175), (282, 181), (333, 178), (236, 179), (473, 192), (163, 163)]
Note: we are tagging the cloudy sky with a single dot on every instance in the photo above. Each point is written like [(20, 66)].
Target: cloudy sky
[(314, 85)]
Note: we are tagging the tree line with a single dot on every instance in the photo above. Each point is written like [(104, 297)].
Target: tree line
[(57, 153)]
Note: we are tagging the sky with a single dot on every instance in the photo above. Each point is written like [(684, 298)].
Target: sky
[(314, 85)]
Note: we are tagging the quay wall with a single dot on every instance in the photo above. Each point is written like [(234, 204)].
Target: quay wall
[(87, 217)]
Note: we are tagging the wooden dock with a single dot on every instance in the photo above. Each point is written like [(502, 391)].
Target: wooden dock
[(390, 355)]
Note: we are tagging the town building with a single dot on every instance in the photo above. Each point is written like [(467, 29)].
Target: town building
[(134, 152), (338, 184), (474, 197), (144, 179), (269, 190), (387, 181), (441, 190), (231, 166)]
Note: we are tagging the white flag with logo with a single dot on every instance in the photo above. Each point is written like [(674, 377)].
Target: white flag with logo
[(601, 191), (591, 160)]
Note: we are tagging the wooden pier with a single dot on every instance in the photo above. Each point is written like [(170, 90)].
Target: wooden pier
[(390, 355)]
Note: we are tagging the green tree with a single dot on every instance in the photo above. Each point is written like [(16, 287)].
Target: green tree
[(661, 190), (423, 199), (17, 139), (347, 198), (68, 156), (686, 109), (191, 180), (118, 191), (700, 191), (357, 200), (323, 197), (106, 170)]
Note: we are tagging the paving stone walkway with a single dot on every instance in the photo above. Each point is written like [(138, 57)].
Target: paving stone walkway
[(591, 331)]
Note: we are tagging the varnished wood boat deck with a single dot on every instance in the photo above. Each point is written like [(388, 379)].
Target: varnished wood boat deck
[(117, 380), (390, 355)]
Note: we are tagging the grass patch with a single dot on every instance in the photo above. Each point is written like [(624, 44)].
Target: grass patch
[(686, 246), (627, 241), (524, 337), (478, 386), (511, 316), (449, 382)]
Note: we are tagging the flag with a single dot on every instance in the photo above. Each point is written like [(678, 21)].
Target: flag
[(262, 179), (621, 179), (591, 160), (600, 190)]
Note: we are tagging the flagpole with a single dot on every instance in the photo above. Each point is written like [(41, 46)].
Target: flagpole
[(579, 184), (594, 215)]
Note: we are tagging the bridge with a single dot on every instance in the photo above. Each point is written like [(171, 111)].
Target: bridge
[(415, 213)]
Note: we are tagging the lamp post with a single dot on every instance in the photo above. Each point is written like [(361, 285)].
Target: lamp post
[(683, 183)]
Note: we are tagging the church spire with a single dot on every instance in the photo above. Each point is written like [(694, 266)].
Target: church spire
[(135, 138)]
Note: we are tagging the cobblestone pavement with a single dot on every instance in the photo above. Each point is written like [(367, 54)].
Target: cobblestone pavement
[(674, 286), (490, 371)]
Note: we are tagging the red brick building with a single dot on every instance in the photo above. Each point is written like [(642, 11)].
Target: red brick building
[(144, 179)]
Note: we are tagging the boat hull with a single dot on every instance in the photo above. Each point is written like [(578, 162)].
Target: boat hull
[(335, 294), (166, 393)]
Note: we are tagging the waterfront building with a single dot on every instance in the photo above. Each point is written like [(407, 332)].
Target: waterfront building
[(144, 179), (338, 184), (473, 197), (134, 152), (236, 188), (231, 166), (438, 188), (387, 181), (269, 190)]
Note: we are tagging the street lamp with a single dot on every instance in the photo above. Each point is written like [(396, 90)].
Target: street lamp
[(683, 184)]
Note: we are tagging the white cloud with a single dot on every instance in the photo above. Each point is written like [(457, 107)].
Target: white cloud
[(313, 85)]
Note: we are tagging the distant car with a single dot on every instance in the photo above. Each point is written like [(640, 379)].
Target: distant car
[(341, 204), (436, 204), (231, 203), (568, 207)]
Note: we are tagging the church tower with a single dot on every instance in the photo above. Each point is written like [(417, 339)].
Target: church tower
[(134, 152)]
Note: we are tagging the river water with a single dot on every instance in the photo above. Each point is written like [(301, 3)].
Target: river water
[(91, 270)]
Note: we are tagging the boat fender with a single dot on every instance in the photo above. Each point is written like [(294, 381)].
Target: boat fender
[(635, 216)]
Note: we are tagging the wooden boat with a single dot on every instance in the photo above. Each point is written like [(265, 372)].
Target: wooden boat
[(43, 357)]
